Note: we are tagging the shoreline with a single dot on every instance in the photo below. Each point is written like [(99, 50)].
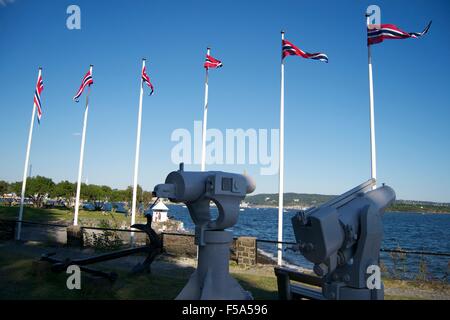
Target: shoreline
[(397, 211)]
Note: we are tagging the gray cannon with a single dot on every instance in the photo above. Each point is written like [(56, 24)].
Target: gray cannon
[(211, 280), (343, 238)]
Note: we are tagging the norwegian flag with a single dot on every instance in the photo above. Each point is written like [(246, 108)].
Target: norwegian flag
[(37, 97), (376, 34), (87, 81), (289, 49), (146, 79), (211, 62)]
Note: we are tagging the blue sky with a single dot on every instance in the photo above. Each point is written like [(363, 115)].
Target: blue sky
[(327, 112)]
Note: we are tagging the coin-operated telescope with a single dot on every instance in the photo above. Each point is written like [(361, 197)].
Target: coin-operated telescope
[(343, 238), (211, 280)]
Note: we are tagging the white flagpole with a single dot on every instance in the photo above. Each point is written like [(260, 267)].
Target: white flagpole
[(373, 161), (136, 159), (25, 169), (80, 168), (281, 172), (205, 117)]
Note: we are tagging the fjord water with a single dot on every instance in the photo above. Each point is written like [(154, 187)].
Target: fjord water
[(402, 230)]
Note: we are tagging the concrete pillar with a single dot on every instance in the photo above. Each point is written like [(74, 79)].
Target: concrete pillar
[(75, 236)]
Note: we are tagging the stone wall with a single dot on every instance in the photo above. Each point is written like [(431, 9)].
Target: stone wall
[(243, 250), (246, 251)]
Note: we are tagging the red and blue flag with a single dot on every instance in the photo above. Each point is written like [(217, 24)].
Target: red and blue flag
[(37, 97), (87, 81), (289, 49), (146, 79), (377, 33), (211, 62)]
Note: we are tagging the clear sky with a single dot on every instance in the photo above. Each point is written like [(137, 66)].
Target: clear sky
[(327, 105)]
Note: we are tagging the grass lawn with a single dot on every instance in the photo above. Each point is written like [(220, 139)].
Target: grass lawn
[(66, 216), (18, 281)]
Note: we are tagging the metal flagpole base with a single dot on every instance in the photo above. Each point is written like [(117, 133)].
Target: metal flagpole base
[(212, 280)]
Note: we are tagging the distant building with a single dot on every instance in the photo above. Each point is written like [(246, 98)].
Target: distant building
[(159, 210)]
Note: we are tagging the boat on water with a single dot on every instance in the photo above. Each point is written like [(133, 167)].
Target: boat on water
[(244, 205)]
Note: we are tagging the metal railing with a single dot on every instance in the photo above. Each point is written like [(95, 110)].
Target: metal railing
[(387, 250)]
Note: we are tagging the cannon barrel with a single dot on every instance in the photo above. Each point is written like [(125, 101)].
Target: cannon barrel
[(334, 226)]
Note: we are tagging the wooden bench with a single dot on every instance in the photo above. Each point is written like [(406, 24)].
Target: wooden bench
[(307, 287)]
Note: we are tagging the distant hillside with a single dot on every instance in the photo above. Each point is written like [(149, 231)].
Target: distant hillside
[(304, 200), (290, 199)]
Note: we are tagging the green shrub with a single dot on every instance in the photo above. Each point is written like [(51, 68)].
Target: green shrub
[(105, 239)]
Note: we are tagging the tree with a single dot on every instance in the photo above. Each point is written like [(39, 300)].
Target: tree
[(4, 186), (93, 194), (37, 188), (129, 193), (118, 195), (107, 192), (66, 190), (15, 187), (147, 197)]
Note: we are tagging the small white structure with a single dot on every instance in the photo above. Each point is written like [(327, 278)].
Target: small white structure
[(159, 212)]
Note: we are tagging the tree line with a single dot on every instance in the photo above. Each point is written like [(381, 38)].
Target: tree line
[(40, 188)]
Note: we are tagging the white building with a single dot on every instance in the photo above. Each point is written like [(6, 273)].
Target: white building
[(159, 212)]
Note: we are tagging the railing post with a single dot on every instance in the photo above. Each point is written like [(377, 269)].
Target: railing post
[(75, 236), (256, 251)]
